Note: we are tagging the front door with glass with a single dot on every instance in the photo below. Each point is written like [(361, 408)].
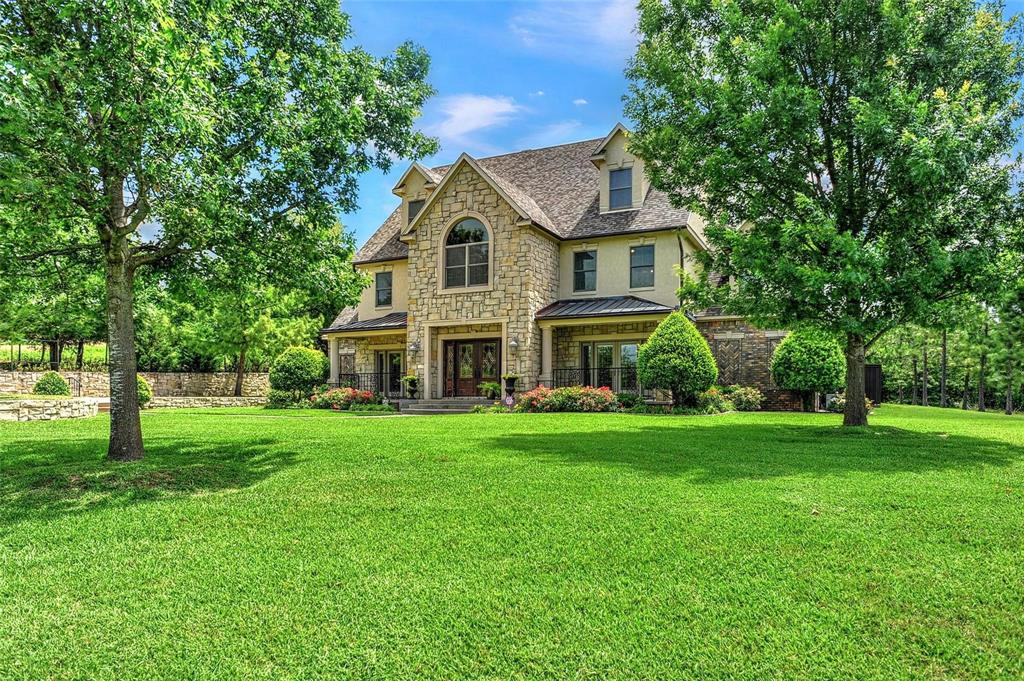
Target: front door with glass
[(468, 363)]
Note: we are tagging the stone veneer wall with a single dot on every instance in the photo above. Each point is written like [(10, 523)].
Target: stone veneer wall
[(744, 357), (524, 277), (47, 409), (97, 384), (364, 349), (566, 340), (186, 402)]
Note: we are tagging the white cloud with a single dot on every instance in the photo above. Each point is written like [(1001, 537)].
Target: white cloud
[(579, 102), (538, 93), (601, 32), (463, 116)]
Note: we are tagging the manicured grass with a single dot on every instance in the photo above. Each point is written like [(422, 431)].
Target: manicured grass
[(304, 544)]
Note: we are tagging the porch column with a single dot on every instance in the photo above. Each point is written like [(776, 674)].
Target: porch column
[(546, 335), (334, 351)]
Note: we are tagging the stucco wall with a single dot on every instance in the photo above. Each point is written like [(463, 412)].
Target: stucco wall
[(613, 261), (367, 308)]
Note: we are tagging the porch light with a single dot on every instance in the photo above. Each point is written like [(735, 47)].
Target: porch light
[(414, 346), (513, 344)]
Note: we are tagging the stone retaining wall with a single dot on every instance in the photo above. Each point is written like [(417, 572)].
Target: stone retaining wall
[(165, 384), (47, 409), (191, 402)]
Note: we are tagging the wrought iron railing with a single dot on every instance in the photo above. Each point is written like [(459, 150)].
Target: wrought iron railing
[(619, 379), (384, 384)]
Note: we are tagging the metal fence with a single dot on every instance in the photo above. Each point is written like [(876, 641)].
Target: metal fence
[(386, 384), (619, 379)]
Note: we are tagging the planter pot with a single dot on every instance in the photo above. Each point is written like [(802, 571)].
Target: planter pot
[(510, 385)]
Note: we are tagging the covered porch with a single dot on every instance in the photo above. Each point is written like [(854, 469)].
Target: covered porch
[(596, 342), (369, 355)]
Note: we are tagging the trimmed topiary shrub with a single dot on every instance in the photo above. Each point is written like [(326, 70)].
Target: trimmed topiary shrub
[(809, 361), (145, 391), (298, 371), (51, 383), (677, 358)]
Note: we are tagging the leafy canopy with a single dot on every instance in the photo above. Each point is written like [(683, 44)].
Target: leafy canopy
[(849, 155)]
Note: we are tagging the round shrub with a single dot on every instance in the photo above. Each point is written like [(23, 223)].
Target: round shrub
[(51, 383), (676, 357), (575, 398), (746, 398), (299, 371), (145, 391), (280, 399), (809, 361)]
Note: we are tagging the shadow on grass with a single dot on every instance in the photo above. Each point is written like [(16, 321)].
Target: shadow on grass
[(710, 452), (46, 478)]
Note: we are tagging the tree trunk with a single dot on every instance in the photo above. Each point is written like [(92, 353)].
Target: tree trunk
[(125, 422), (943, 401), (80, 355), (967, 389), (855, 413), (924, 380), (981, 378), (1009, 389), (913, 388), (54, 355), (240, 371)]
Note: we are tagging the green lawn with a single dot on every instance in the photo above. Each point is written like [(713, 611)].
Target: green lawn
[(300, 544)]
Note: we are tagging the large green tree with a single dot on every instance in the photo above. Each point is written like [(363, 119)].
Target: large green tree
[(850, 155), (149, 131)]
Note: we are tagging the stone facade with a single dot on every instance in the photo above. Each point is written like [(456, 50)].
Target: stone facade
[(364, 351), (744, 357), (202, 402), (48, 409), (523, 279), (97, 384), (567, 339)]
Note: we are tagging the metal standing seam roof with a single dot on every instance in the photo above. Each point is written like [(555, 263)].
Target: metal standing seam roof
[(395, 320), (602, 307)]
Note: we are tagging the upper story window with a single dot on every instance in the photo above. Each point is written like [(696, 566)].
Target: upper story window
[(584, 271), (414, 209), (620, 189), (384, 280), (641, 266), (466, 255)]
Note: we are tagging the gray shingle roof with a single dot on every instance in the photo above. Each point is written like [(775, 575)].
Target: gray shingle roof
[(395, 320), (558, 188), (601, 307)]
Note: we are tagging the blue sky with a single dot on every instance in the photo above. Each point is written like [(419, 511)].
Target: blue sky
[(508, 76)]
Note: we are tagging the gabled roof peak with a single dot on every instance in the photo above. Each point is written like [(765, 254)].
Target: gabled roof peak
[(599, 152), (431, 176)]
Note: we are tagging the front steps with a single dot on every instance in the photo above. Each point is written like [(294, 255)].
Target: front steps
[(448, 405)]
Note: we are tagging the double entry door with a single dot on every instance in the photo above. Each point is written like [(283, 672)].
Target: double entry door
[(468, 363)]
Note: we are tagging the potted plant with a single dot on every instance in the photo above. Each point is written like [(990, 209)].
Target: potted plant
[(412, 385), (510, 382), (490, 390)]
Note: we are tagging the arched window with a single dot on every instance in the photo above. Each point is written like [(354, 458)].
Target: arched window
[(466, 255)]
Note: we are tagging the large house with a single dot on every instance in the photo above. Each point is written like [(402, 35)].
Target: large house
[(554, 264)]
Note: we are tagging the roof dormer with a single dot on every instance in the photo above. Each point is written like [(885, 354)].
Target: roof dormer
[(623, 183), (414, 187)]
